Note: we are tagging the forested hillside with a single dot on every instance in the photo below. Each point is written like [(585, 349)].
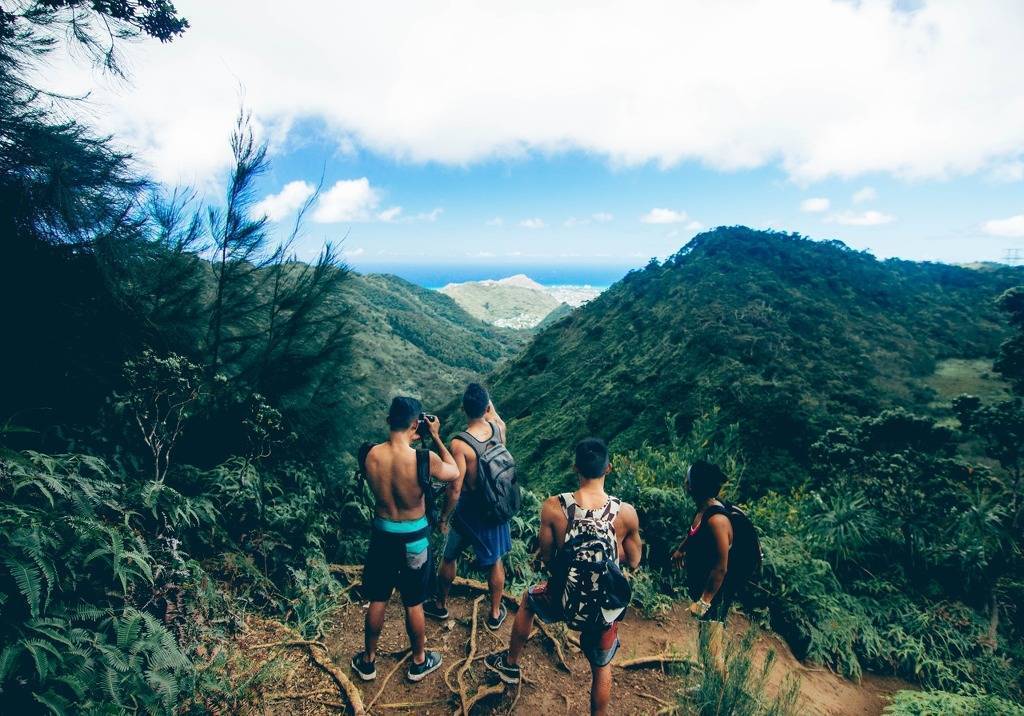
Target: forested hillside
[(179, 397), (783, 335), (413, 341)]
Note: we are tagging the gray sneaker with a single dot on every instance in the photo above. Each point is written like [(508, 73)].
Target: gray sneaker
[(432, 662), (509, 673)]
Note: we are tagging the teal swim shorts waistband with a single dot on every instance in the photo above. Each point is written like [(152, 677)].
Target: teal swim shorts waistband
[(416, 531)]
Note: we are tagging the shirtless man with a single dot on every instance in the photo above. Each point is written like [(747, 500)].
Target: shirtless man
[(399, 544), (490, 542), (592, 465)]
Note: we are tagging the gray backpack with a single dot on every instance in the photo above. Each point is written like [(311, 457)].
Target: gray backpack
[(497, 490)]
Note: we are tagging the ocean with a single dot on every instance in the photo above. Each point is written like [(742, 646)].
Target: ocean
[(437, 276)]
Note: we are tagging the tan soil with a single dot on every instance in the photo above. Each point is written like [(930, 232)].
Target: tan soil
[(549, 690)]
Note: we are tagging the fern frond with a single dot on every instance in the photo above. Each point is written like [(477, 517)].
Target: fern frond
[(28, 579)]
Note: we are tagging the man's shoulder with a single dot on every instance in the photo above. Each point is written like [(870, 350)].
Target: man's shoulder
[(628, 512)]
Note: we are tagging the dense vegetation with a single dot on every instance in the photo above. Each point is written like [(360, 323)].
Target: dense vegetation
[(890, 513), (783, 334), (178, 395)]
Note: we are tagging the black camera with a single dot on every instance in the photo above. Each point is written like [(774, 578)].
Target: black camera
[(423, 429)]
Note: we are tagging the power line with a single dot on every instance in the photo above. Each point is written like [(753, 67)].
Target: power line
[(1014, 256)]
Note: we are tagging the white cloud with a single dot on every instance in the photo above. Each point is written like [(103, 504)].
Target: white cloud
[(496, 221), (1011, 227), (1007, 172), (347, 200), (602, 217), (694, 226), (353, 253), (572, 222), (664, 216), (886, 92), (866, 218), (863, 195), (390, 214), (277, 206), (815, 205), (533, 223), (429, 216)]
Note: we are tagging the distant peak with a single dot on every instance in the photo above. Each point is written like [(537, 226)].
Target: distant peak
[(520, 280)]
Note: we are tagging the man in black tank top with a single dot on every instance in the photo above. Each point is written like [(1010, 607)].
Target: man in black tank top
[(705, 554)]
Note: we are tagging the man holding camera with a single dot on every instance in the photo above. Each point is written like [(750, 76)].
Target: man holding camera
[(470, 526), (399, 550)]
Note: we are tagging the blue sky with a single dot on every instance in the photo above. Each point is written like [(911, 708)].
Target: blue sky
[(487, 207), (569, 133)]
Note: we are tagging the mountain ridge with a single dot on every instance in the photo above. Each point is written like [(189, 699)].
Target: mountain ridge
[(781, 331)]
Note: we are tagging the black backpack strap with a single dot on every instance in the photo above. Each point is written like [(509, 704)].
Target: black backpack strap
[(423, 468), (364, 450)]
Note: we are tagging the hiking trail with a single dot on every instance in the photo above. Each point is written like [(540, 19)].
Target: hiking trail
[(315, 677)]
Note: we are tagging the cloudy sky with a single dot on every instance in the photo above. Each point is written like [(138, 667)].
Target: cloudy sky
[(595, 131)]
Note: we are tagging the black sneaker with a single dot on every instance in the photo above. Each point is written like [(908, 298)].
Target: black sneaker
[(367, 670), (509, 673), (432, 662), (495, 623), (434, 611)]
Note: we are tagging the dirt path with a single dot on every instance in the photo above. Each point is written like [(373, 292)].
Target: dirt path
[(549, 690)]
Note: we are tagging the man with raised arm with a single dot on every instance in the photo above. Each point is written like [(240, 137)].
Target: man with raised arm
[(399, 553), (584, 535), (490, 540)]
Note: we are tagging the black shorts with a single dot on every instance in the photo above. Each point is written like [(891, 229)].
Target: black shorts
[(389, 566)]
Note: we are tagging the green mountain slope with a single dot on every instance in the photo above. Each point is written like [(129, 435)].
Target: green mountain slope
[(785, 335), (414, 341)]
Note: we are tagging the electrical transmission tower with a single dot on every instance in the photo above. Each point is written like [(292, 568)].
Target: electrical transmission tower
[(1014, 256)]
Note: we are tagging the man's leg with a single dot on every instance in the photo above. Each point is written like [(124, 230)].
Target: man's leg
[(373, 624), (520, 631), (600, 689), (445, 577), (415, 628), (496, 582)]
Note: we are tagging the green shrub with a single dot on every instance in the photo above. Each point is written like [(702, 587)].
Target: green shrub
[(943, 703)]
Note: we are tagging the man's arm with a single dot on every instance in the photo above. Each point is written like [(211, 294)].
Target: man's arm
[(632, 546), (721, 530), (454, 488), (491, 416), (444, 468), (549, 511)]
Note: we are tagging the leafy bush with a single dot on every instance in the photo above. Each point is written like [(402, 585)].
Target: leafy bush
[(943, 703), (74, 571)]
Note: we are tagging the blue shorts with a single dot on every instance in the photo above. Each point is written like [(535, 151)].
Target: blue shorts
[(489, 542)]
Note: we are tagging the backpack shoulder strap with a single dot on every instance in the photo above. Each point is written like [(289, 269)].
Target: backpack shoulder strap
[(496, 434), (569, 508), (612, 511), (423, 467), (467, 438), (364, 450)]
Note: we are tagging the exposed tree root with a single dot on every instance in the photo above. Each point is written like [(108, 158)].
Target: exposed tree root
[(461, 675), (384, 683), (655, 699), (412, 704), (655, 660), (285, 695), (482, 693), (355, 698), (287, 643)]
